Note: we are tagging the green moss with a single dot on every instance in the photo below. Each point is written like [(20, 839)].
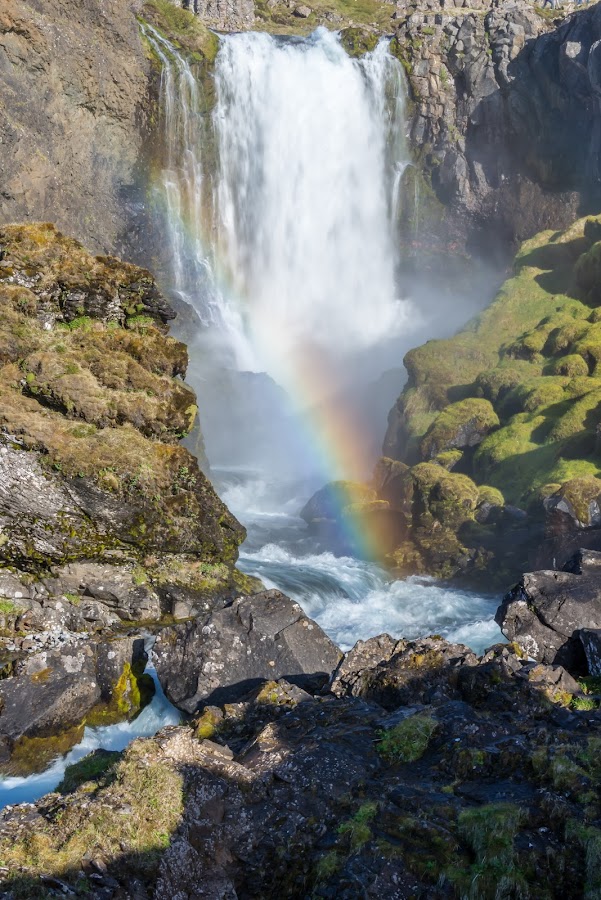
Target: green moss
[(208, 724), (407, 741), (571, 365), (490, 831), (92, 768), (8, 608), (34, 754), (132, 691), (358, 41), (448, 459), (327, 866), (579, 494), (357, 829), (182, 27), (530, 356), (488, 494), (446, 496), (459, 425)]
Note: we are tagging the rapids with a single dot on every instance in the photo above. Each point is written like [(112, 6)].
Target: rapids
[(352, 599)]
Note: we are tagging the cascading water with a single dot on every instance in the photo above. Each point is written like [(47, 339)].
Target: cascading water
[(282, 209), (304, 194)]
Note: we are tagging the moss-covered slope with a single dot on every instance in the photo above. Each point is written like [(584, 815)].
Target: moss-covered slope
[(532, 358), (92, 407), (512, 402)]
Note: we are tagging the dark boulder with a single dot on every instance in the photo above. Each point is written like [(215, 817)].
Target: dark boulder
[(259, 637), (545, 612), (591, 641)]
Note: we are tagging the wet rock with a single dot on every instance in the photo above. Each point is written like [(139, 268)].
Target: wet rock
[(401, 673), (591, 641), (45, 702), (219, 659), (337, 797), (545, 612)]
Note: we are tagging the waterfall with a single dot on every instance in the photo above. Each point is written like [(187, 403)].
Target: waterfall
[(311, 149), (282, 234)]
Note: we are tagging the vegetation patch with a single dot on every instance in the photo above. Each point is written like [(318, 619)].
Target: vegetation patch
[(407, 741)]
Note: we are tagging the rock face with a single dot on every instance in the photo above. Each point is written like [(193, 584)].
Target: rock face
[(489, 85), (93, 406), (105, 519), (545, 612), (220, 658), (72, 155), (338, 796)]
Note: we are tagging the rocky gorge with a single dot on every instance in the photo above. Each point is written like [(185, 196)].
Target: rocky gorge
[(402, 768)]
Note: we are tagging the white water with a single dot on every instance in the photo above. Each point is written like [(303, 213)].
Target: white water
[(352, 599), (305, 195), (153, 717), (301, 248)]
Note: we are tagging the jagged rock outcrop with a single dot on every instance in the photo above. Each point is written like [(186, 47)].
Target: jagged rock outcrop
[(220, 658), (545, 612), (492, 772), (504, 116)]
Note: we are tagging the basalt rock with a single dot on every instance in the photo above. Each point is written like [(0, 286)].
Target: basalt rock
[(219, 658), (545, 612), (286, 795), (489, 84)]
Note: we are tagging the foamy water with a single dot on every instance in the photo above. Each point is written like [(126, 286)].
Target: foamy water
[(352, 599)]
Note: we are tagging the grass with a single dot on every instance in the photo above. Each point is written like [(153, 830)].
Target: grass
[(490, 831), (8, 608), (357, 829), (408, 741), (140, 781)]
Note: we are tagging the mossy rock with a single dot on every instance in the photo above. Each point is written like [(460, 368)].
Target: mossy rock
[(459, 425), (330, 501), (132, 691), (535, 356), (358, 41), (573, 366), (488, 494), (444, 496), (34, 754), (580, 498), (448, 459), (182, 27), (91, 390), (588, 273)]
